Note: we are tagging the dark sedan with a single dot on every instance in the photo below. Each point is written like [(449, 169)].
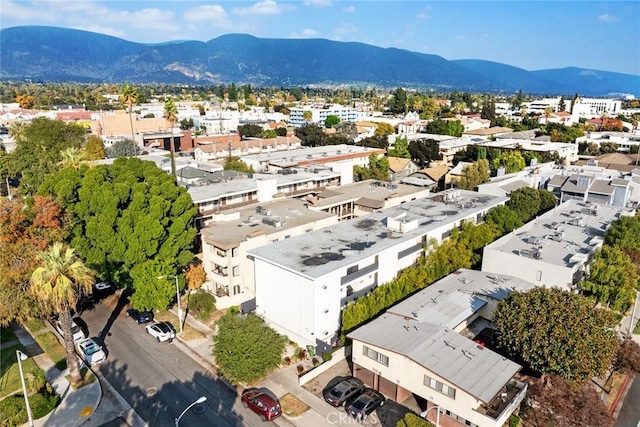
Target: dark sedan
[(140, 316), (365, 404), (343, 391)]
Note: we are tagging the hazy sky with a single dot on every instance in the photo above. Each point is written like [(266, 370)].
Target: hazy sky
[(603, 35)]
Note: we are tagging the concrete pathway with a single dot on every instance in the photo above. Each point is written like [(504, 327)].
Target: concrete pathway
[(75, 405)]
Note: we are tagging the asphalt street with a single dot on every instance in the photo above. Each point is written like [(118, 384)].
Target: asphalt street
[(630, 413), (158, 380)]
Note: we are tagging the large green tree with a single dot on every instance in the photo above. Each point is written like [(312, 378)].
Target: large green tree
[(39, 148), (125, 214), (311, 135), (504, 218), (424, 152), (474, 174), (58, 283), (612, 278), (557, 331), (151, 292), (378, 169), (246, 348), (400, 148), (525, 202)]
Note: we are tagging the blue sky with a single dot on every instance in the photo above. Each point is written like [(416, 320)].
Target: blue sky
[(531, 35)]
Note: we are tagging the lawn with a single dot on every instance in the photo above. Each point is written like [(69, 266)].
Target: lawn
[(6, 335), (292, 406), (53, 348), (636, 330), (189, 332), (9, 372), (34, 325)]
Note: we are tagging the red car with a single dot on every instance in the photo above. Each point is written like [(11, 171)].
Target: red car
[(263, 402)]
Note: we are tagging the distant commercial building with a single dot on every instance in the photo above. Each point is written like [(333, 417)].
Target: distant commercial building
[(319, 115)]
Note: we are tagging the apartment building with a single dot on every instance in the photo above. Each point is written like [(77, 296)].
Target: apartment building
[(567, 152), (555, 248), (319, 115), (624, 140), (303, 282), (436, 345)]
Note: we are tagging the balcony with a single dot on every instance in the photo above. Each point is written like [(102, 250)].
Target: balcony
[(506, 402)]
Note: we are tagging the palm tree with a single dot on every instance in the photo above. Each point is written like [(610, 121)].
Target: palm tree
[(57, 284), (71, 157), (129, 96), (547, 113), (171, 115), (307, 115)]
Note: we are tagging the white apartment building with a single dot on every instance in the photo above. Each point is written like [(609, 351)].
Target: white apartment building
[(434, 345), (319, 115), (568, 152), (595, 107), (624, 140), (230, 234), (539, 106), (302, 283), (228, 237), (555, 248)]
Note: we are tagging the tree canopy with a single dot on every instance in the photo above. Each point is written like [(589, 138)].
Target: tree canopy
[(125, 214), (532, 323), (38, 150), (528, 202), (235, 164), (331, 121), (612, 278), (384, 129), (424, 152), (400, 148), (311, 135), (246, 348), (474, 174), (378, 169)]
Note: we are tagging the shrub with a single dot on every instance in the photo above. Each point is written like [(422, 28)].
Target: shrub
[(300, 369), (202, 304), (302, 354), (287, 361), (316, 361), (327, 356), (234, 309), (514, 421), (13, 411), (35, 379), (412, 420), (42, 403)]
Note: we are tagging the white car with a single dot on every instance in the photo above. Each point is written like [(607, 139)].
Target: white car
[(91, 352), (162, 331), (102, 286), (76, 331)]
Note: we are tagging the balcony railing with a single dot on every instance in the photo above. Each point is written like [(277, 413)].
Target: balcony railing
[(506, 401)]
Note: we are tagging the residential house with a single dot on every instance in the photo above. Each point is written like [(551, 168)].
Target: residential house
[(434, 345), (400, 168), (487, 133)]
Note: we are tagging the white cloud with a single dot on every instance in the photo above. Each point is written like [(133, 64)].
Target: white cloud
[(349, 9), (425, 13), (607, 18), (345, 28), (102, 30), (318, 3), (153, 19), (214, 14), (307, 32), (266, 7), (23, 12)]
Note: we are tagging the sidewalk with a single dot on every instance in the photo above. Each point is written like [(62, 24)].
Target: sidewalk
[(280, 382), (627, 324), (75, 405)]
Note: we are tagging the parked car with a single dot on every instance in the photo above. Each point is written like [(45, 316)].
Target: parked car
[(76, 331), (162, 331), (91, 352), (365, 404), (263, 402), (140, 316), (343, 391)]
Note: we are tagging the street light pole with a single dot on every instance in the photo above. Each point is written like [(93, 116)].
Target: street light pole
[(21, 356), (200, 400), (633, 315), (424, 414), (177, 296)]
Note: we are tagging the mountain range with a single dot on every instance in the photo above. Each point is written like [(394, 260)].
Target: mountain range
[(54, 54)]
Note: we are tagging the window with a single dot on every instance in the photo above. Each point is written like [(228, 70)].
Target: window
[(236, 289), (539, 275), (236, 271), (352, 269), (439, 386), (446, 234), (372, 354)]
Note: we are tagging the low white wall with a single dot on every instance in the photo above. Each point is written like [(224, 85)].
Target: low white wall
[(338, 356)]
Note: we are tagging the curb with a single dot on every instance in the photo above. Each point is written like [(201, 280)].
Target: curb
[(622, 392)]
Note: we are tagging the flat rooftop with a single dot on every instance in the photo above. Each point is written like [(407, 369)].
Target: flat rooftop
[(320, 252), (309, 154), (254, 220), (203, 192), (369, 189), (563, 236)]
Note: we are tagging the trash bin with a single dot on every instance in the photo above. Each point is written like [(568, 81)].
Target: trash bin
[(311, 350)]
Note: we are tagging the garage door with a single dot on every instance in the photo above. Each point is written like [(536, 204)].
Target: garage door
[(363, 374), (386, 387)]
